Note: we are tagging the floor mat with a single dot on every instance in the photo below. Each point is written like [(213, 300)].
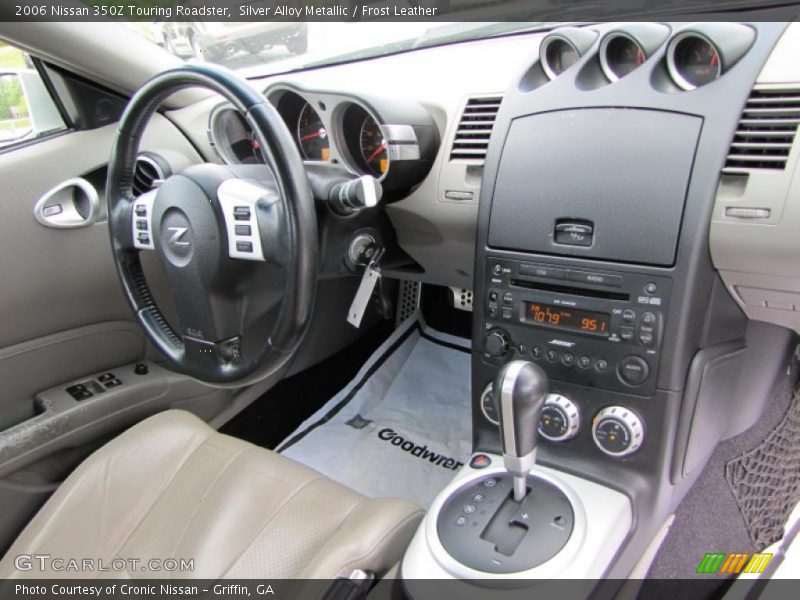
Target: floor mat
[(402, 427)]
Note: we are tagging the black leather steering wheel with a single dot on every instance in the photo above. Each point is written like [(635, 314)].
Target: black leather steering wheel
[(214, 227)]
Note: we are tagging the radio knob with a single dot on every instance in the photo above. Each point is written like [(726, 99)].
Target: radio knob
[(618, 431), (560, 419), (496, 343)]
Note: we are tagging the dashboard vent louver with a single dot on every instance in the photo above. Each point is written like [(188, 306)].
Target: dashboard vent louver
[(766, 130), (474, 128), (149, 170)]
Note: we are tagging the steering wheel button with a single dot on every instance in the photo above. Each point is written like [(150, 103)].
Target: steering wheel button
[(141, 225), (241, 213), (141, 210), (242, 230), (244, 246)]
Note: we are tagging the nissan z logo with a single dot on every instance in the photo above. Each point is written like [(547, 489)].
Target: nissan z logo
[(177, 236)]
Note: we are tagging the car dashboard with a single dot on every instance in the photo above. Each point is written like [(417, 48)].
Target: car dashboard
[(618, 198)]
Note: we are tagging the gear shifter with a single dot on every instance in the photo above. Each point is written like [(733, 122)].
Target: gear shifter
[(520, 391)]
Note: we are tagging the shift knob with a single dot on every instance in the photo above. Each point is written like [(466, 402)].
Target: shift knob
[(520, 391)]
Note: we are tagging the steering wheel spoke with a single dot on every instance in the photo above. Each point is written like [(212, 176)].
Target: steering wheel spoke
[(142, 221), (240, 201)]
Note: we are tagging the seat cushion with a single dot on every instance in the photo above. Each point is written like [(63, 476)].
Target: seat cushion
[(173, 488)]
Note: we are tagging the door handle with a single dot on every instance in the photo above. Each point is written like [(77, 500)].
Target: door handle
[(71, 204)]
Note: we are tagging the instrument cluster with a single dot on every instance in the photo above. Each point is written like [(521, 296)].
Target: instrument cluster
[(339, 131)]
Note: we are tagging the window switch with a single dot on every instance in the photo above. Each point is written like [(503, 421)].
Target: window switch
[(113, 383), (105, 377)]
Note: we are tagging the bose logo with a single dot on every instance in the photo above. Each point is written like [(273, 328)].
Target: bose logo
[(177, 234)]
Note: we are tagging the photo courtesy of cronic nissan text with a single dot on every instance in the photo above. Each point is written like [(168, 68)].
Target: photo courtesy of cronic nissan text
[(400, 299)]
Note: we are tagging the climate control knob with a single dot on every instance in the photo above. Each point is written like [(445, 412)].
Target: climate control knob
[(560, 419), (496, 343), (618, 431)]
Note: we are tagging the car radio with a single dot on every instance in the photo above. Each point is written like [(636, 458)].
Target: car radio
[(590, 327)]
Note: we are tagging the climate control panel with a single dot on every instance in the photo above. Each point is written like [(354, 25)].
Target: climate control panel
[(616, 431)]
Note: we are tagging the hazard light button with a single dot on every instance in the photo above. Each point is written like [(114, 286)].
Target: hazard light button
[(480, 461)]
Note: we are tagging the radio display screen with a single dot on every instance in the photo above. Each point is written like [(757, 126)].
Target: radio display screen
[(562, 317)]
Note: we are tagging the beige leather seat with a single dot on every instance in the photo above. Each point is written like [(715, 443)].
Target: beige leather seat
[(173, 488)]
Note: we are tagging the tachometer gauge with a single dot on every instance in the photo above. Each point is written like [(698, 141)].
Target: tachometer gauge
[(693, 61), (312, 135), (620, 55), (373, 147)]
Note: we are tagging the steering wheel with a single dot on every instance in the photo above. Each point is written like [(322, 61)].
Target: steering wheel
[(213, 228)]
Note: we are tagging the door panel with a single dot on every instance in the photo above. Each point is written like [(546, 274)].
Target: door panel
[(62, 281)]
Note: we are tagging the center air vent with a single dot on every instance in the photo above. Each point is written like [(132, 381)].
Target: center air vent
[(766, 130), (474, 128), (150, 169)]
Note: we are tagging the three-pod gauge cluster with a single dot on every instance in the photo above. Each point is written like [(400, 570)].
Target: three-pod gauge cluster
[(683, 56)]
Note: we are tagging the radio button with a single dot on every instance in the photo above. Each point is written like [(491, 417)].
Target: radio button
[(507, 314), (626, 333), (508, 298), (629, 317), (537, 353), (633, 370), (496, 343), (646, 336), (542, 271), (493, 295), (568, 359), (492, 312), (552, 355), (584, 362), (648, 319), (601, 364), (605, 279)]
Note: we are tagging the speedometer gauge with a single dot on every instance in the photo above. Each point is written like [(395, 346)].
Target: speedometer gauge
[(373, 147), (312, 135)]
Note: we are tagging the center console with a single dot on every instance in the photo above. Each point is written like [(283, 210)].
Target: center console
[(592, 265)]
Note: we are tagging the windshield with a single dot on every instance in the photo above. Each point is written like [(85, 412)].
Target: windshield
[(262, 48)]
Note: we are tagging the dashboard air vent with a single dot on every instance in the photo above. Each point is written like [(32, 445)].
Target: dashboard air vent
[(149, 171), (766, 130), (474, 128)]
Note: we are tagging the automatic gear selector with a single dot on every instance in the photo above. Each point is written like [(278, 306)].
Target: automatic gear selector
[(512, 522), (520, 393)]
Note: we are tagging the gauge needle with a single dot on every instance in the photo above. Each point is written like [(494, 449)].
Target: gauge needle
[(378, 150), (312, 135)]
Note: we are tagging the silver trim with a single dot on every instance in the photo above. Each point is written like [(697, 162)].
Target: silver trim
[(487, 390), (573, 424), (561, 562), (239, 192), (628, 418), (548, 70), (603, 519), (672, 67), (507, 405), (68, 216), (603, 53), (146, 200), (159, 170)]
